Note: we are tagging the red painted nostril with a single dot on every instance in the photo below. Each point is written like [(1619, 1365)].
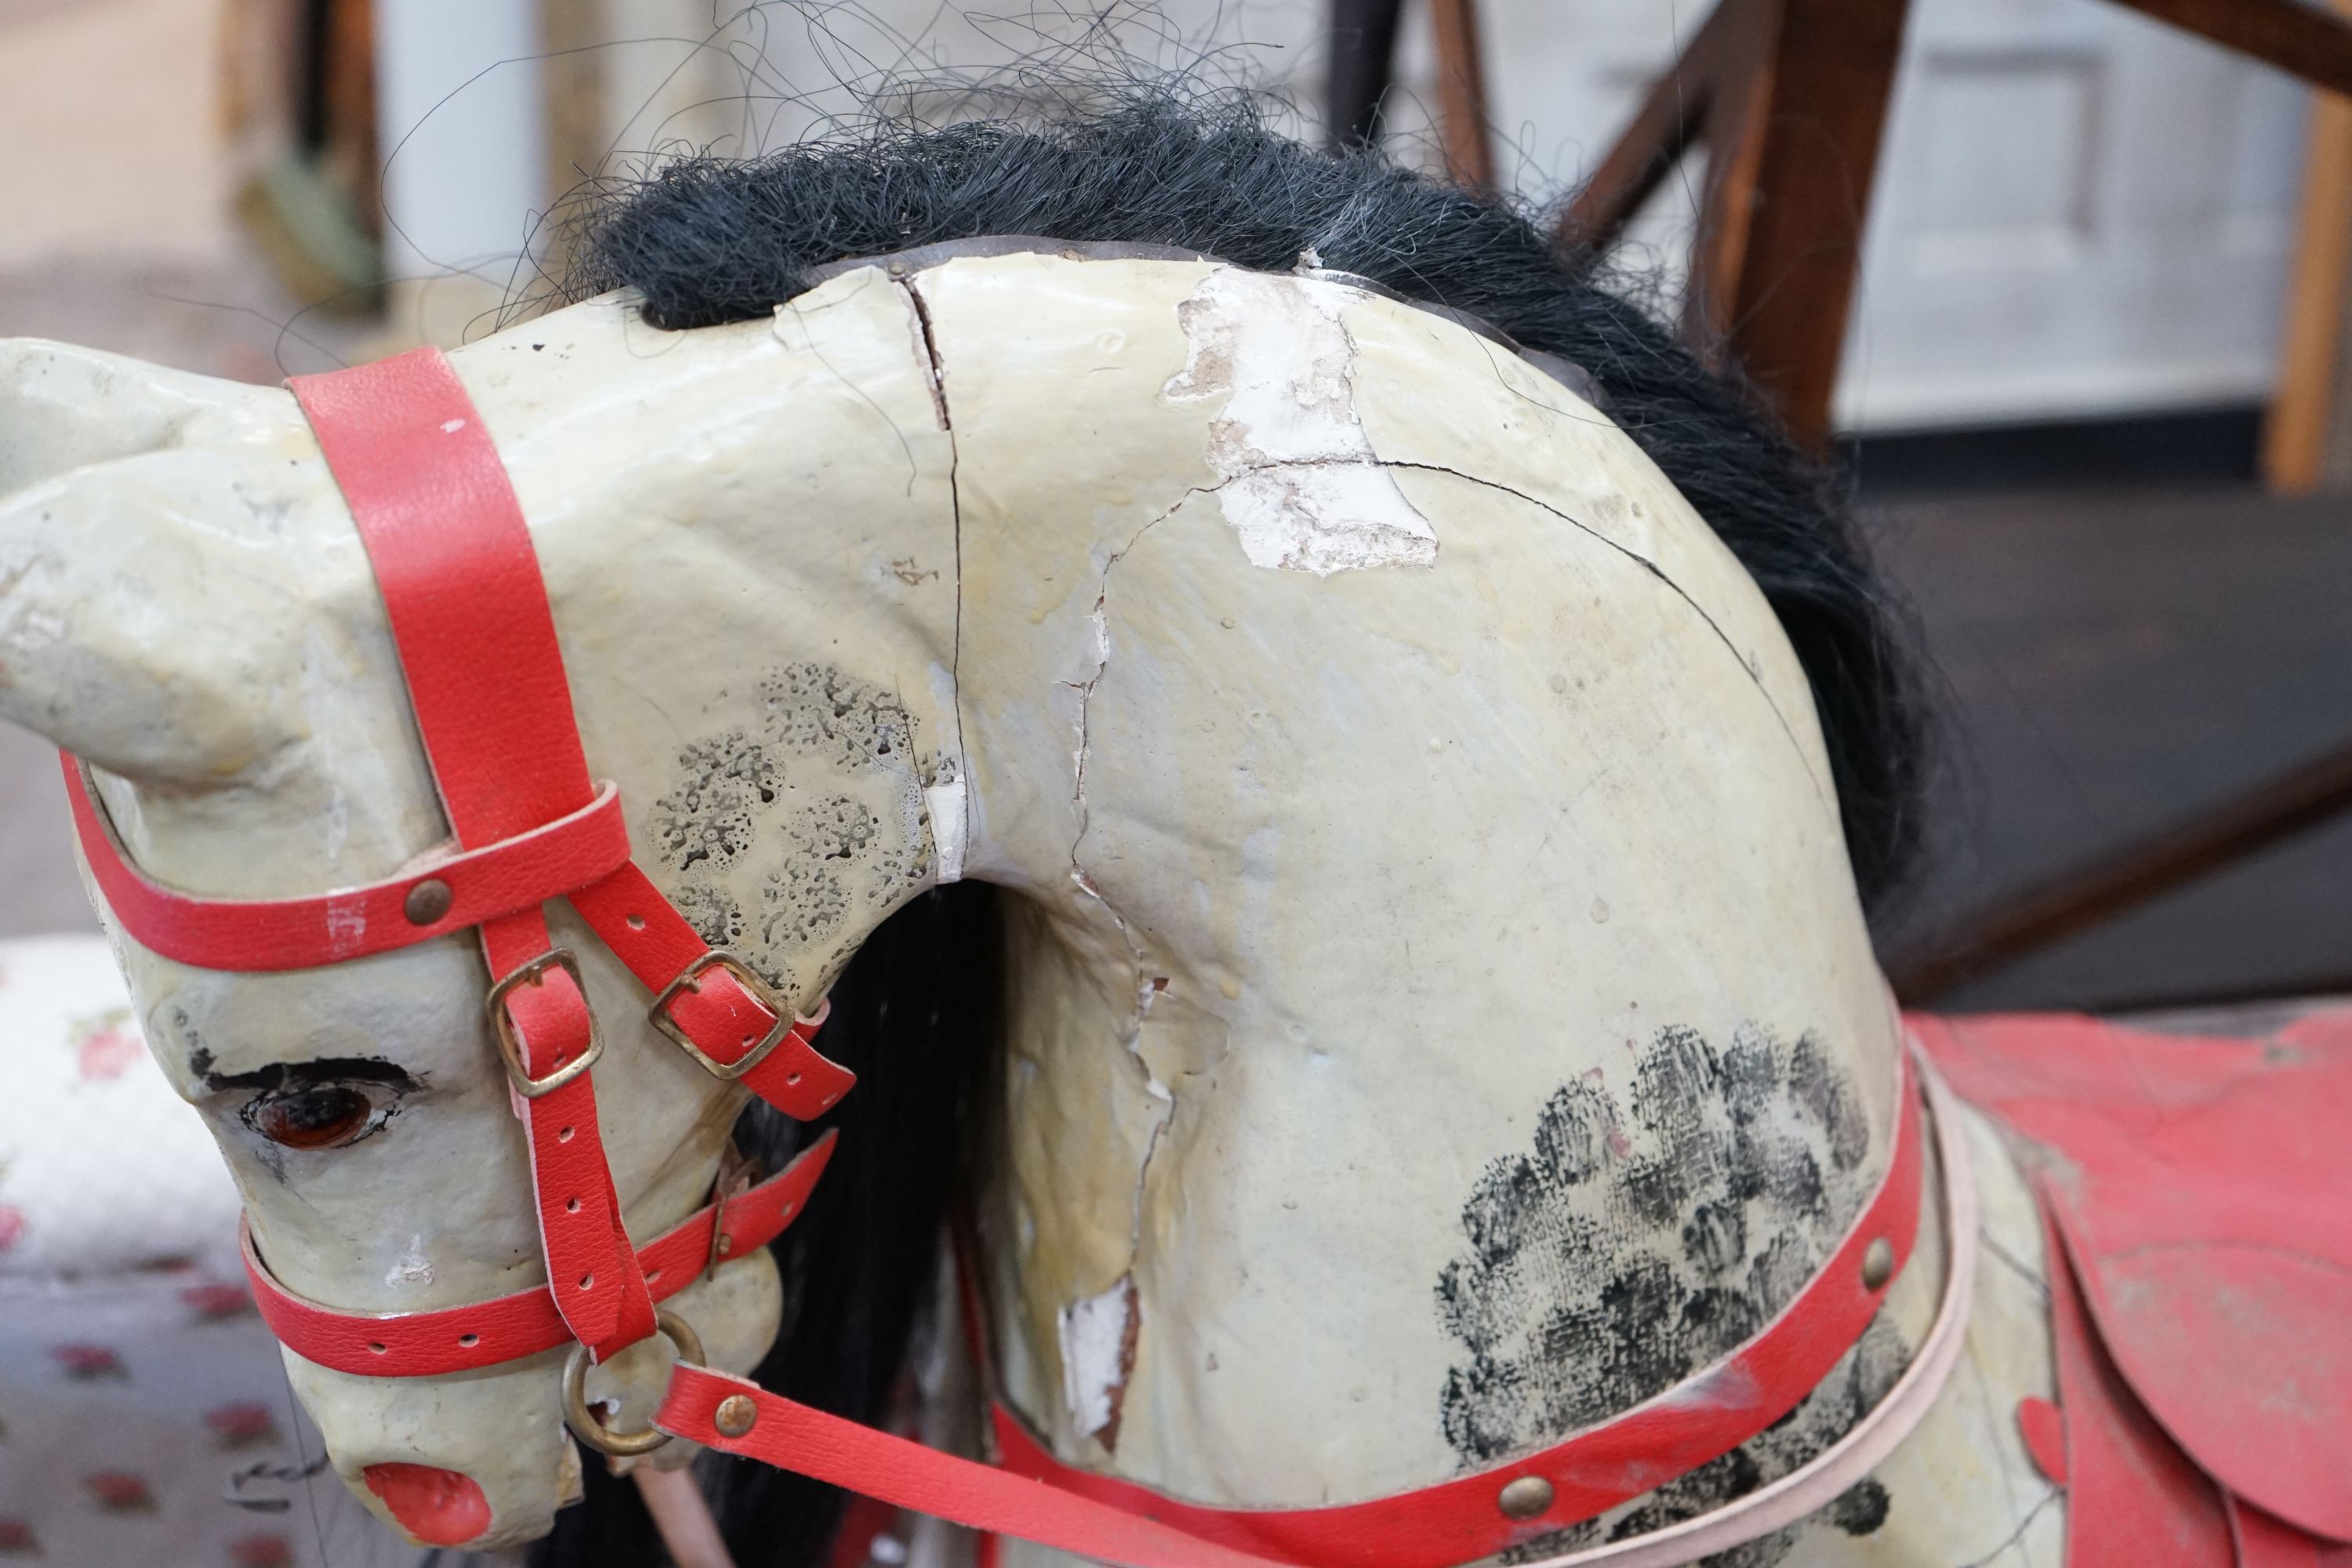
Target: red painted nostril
[(440, 1508)]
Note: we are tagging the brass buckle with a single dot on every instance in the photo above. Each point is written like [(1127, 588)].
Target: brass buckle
[(511, 1048), (738, 1174), (741, 972)]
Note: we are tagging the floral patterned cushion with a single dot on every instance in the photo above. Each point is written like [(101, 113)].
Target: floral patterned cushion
[(135, 1377)]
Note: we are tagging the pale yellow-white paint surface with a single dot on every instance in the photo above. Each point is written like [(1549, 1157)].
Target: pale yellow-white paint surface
[(1372, 750)]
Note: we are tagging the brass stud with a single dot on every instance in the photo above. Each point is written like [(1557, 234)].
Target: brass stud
[(736, 1415), (1877, 1264), (428, 901), (1525, 1497)]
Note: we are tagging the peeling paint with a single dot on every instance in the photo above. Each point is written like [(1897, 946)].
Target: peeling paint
[(410, 1269), (945, 802), (1098, 1336), (1300, 483), (946, 797), (949, 802)]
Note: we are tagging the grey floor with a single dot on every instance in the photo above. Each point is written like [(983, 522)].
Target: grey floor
[(2108, 661), (2109, 664)]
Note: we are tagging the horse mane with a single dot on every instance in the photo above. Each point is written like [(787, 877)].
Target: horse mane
[(709, 240)]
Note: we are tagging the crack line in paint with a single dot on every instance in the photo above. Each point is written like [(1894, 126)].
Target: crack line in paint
[(935, 376), (1820, 790)]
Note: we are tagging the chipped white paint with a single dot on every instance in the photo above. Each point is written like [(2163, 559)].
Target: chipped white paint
[(945, 802), (946, 799), (1094, 1346), (1361, 823), (411, 1268), (1297, 476)]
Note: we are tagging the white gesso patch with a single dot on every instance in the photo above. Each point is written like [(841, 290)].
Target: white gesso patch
[(945, 802), (1094, 1351), (1300, 483), (410, 1269)]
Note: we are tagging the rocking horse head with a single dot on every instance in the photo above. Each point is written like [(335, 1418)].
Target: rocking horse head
[(1421, 729)]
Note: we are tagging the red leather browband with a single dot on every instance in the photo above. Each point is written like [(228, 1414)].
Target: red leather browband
[(507, 1327), (500, 878)]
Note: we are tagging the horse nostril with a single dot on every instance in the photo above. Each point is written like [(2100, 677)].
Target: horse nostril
[(440, 1508)]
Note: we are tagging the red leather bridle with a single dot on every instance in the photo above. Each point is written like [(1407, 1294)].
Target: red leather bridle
[(476, 642), (477, 647)]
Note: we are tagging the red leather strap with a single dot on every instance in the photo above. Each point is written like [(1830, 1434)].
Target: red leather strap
[(900, 1471), (469, 616), (256, 935), (590, 1267), (461, 586), (1453, 1521), (469, 613), (726, 1021), (484, 1334), (1697, 1420)]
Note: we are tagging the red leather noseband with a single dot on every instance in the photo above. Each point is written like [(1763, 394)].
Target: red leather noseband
[(508, 1327)]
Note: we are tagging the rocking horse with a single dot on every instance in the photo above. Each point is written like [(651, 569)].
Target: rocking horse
[(1330, 771)]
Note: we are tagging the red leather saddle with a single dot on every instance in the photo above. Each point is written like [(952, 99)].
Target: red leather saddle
[(2198, 1197)]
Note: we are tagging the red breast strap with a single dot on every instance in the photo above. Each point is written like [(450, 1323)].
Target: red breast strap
[(484, 1334), (1039, 1498)]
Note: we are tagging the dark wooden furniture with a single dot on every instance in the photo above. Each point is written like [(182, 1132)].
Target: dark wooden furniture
[(1788, 100)]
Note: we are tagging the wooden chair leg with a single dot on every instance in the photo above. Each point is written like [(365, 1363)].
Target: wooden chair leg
[(1674, 114), (1790, 98), (1363, 51), (2295, 429), (1462, 128), (1738, 130), (1830, 80), (2090, 895)]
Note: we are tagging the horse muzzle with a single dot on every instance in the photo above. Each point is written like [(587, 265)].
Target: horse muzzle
[(482, 1459)]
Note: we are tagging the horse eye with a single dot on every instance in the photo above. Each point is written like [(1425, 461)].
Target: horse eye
[(326, 1116)]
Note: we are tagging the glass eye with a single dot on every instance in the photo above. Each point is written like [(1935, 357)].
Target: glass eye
[(325, 1116)]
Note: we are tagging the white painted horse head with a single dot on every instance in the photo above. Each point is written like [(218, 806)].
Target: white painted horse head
[(1437, 1011)]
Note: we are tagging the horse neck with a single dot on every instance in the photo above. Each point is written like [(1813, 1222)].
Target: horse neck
[(1343, 894)]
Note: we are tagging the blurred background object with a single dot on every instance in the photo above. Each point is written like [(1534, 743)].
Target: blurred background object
[(140, 1392), (2090, 266)]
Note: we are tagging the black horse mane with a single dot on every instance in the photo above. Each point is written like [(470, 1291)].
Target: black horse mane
[(712, 240)]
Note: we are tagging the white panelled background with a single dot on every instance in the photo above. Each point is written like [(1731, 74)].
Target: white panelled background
[(2080, 212)]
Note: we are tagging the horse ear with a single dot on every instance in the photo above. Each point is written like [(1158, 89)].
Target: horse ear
[(62, 408), (133, 630)]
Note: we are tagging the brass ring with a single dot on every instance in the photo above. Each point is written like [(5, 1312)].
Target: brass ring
[(583, 1421)]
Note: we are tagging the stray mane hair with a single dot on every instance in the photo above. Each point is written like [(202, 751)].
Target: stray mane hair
[(710, 240)]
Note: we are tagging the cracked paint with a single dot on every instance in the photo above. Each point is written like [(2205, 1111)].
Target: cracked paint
[(946, 799), (1094, 1383), (1301, 486), (1315, 928), (1747, 660), (411, 1269)]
